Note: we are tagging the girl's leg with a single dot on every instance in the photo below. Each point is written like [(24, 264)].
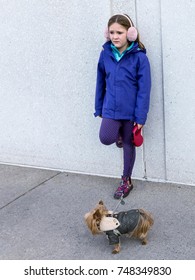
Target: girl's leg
[(109, 131), (128, 148), (129, 159)]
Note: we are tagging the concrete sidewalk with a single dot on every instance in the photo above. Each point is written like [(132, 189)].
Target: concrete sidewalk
[(41, 217)]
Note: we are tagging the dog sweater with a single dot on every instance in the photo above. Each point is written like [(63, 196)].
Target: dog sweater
[(128, 222)]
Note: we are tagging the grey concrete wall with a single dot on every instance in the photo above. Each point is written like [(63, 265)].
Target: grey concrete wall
[(48, 56)]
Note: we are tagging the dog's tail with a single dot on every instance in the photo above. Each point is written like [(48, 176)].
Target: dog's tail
[(147, 216)]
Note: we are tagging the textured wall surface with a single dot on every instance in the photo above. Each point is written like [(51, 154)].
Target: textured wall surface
[(49, 51)]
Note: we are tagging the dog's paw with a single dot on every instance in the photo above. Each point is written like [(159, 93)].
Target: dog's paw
[(115, 251), (144, 242)]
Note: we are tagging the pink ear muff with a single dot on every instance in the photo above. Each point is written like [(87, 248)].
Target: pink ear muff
[(132, 34), (106, 34)]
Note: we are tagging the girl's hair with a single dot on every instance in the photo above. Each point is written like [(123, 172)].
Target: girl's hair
[(122, 20)]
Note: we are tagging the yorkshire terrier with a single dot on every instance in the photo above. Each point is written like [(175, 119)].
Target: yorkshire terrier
[(134, 223)]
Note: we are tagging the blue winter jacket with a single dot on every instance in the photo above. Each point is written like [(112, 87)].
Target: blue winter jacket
[(123, 87)]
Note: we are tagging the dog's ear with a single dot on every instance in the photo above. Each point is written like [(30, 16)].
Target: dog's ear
[(97, 215), (101, 202)]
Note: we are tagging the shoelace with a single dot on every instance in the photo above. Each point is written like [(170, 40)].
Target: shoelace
[(122, 188)]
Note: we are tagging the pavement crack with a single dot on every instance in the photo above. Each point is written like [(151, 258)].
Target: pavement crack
[(28, 191)]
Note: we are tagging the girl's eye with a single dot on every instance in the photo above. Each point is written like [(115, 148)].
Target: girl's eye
[(118, 32)]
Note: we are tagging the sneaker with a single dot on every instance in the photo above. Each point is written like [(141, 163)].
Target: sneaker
[(124, 189)]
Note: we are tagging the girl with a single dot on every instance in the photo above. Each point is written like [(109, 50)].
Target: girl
[(122, 91)]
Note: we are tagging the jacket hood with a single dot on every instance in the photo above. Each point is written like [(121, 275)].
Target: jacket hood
[(107, 47)]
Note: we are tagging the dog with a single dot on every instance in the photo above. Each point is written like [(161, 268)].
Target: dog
[(134, 223)]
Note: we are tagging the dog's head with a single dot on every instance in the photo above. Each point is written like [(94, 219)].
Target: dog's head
[(94, 217)]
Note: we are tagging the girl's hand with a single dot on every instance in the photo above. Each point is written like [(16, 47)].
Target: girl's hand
[(139, 126)]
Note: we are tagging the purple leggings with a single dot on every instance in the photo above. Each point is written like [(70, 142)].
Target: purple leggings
[(109, 132)]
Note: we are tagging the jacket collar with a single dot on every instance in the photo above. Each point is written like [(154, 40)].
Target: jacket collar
[(116, 52)]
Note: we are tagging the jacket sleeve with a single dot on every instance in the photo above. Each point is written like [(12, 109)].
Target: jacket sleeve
[(144, 87), (100, 86)]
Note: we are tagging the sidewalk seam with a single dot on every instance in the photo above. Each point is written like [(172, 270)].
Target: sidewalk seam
[(30, 190)]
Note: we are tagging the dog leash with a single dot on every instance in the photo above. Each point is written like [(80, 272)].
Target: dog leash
[(120, 202)]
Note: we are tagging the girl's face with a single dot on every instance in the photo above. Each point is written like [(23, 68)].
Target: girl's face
[(118, 36)]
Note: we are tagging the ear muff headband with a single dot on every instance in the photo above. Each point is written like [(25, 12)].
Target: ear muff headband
[(131, 32), (130, 21)]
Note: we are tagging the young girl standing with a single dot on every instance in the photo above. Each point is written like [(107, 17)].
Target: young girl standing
[(122, 91)]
